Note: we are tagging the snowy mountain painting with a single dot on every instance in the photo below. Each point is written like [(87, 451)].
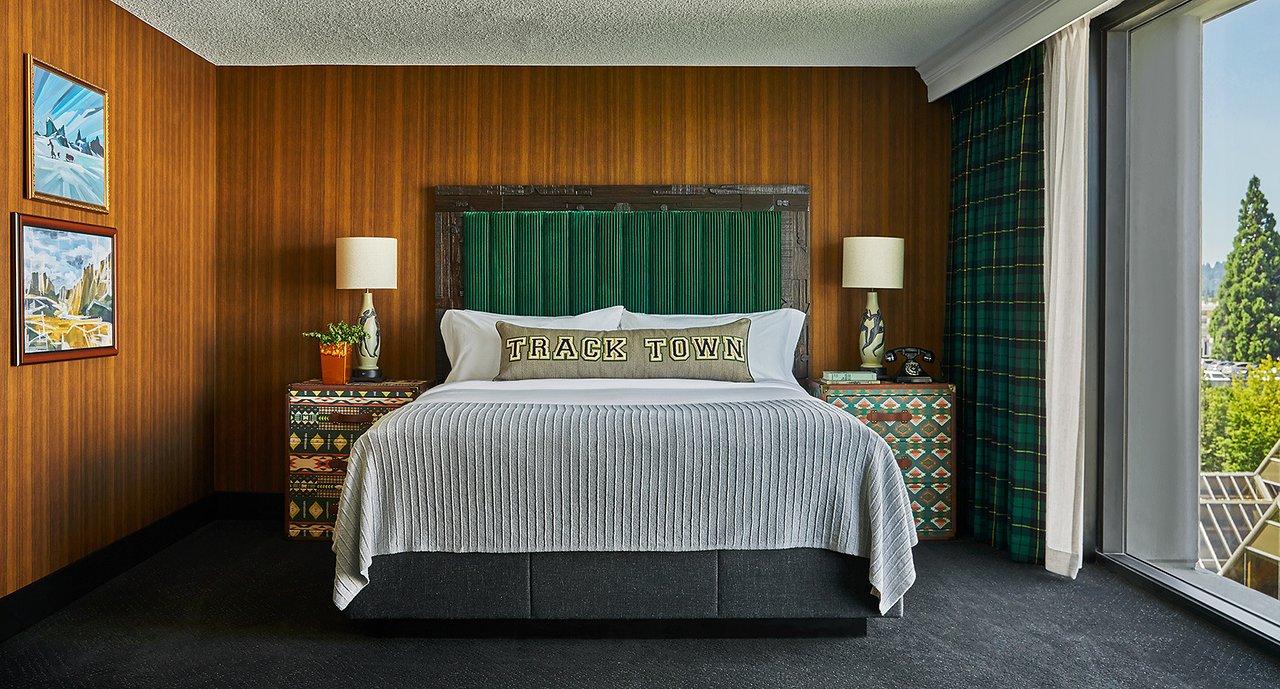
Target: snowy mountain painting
[(68, 139)]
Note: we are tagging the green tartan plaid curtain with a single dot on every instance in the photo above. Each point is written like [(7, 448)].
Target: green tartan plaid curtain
[(995, 327)]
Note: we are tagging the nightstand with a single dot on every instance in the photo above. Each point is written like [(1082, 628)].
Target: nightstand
[(916, 420), (324, 422)]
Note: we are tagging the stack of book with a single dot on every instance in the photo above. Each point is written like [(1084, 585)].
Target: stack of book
[(859, 377)]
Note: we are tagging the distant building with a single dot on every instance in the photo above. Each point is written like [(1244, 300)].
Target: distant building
[(1239, 522), (1206, 343)]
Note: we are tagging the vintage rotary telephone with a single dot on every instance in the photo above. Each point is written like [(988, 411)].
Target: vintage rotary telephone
[(911, 371)]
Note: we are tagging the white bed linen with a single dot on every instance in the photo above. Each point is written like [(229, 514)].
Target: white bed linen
[(612, 391), (771, 342)]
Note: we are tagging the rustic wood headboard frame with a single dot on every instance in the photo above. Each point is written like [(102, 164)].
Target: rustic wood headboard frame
[(790, 200)]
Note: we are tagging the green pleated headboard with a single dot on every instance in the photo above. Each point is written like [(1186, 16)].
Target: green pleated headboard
[(551, 251), (556, 263)]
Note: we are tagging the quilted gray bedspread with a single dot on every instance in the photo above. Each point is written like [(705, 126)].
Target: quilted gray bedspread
[(450, 476)]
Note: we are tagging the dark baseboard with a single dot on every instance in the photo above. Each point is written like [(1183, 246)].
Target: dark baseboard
[(620, 629), (47, 595)]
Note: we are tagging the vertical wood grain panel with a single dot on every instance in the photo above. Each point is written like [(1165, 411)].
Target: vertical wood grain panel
[(309, 154), (97, 448)]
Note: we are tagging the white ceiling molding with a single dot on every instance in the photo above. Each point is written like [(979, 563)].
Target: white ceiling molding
[(1009, 30)]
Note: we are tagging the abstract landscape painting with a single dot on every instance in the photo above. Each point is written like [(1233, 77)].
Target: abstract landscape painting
[(68, 125), (67, 282)]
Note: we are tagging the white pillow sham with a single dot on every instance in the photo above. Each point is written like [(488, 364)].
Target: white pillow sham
[(771, 342), (474, 348)]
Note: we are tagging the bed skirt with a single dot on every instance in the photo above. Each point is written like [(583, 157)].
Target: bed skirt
[(792, 584)]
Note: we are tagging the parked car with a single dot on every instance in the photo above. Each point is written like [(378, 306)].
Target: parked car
[(1216, 378)]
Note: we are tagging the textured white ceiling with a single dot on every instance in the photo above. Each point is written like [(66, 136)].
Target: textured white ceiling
[(563, 32)]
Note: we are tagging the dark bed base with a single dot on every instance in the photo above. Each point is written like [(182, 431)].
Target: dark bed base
[(813, 627), (708, 593)]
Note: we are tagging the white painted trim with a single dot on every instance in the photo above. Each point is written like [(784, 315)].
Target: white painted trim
[(1008, 31)]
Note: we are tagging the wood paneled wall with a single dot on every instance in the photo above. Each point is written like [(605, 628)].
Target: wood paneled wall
[(95, 449), (308, 154)]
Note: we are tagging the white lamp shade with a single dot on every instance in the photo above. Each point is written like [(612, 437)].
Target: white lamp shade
[(366, 263), (873, 262)]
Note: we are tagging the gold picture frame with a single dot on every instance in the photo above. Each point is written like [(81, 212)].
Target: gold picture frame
[(69, 116)]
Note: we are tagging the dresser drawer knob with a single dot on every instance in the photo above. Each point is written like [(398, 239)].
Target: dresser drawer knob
[(889, 416), (343, 417)]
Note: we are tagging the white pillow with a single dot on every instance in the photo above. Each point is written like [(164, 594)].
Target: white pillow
[(771, 342), (474, 348)]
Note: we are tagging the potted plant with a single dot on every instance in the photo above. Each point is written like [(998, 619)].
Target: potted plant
[(335, 350)]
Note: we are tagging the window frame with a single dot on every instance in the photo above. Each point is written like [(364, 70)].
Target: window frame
[(1146, 514)]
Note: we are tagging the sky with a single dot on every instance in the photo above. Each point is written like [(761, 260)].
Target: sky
[(61, 255), (67, 104), (1241, 117)]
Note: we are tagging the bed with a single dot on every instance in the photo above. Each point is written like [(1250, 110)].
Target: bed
[(624, 506)]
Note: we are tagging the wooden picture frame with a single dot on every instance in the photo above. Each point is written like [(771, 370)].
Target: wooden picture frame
[(64, 290), (67, 139)]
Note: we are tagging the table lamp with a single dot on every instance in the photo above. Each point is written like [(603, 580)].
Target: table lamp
[(367, 263), (872, 263)]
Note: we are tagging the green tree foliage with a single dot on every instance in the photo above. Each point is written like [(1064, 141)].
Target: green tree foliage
[(1246, 324), (1240, 422), (1214, 401)]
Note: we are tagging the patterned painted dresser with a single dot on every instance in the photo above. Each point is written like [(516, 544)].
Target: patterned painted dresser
[(916, 420), (324, 422)]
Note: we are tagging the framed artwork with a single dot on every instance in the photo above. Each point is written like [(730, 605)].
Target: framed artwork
[(65, 273), (67, 150)]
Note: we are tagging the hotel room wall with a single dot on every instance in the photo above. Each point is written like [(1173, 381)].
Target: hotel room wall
[(308, 154), (97, 448)]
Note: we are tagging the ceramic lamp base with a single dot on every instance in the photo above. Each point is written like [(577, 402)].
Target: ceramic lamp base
[(871, 335), (367, 353), (367, 375)]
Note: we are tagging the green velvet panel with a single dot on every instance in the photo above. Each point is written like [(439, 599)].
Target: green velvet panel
[(556, 263)]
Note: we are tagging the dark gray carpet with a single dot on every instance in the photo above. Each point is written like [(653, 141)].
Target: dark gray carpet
[(235, 605)]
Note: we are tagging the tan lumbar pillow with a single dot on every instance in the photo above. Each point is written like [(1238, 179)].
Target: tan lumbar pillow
[(716, 352)]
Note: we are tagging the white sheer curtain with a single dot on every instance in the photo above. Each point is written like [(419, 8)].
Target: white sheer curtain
[(1066, 82)]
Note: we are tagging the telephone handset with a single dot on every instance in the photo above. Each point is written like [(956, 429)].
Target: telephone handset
[(911, 371)]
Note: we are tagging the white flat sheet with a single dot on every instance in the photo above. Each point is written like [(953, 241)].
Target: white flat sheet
[(598, 391)]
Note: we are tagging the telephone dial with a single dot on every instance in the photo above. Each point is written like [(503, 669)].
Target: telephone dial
[(911, 371)]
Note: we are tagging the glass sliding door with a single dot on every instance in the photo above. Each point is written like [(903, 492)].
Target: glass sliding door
[(1190, 335)]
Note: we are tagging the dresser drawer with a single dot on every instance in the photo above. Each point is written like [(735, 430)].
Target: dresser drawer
[(328, 441), (916, 419), (929, 461), (308, 413)]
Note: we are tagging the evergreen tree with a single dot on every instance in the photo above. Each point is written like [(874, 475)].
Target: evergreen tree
[(1246, 324), (1241, 420)]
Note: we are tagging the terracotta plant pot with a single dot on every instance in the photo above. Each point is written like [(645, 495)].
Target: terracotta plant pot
[(335, 364)]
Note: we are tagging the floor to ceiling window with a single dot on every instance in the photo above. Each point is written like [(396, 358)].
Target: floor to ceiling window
[(1190, 301), (1239, 335)]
